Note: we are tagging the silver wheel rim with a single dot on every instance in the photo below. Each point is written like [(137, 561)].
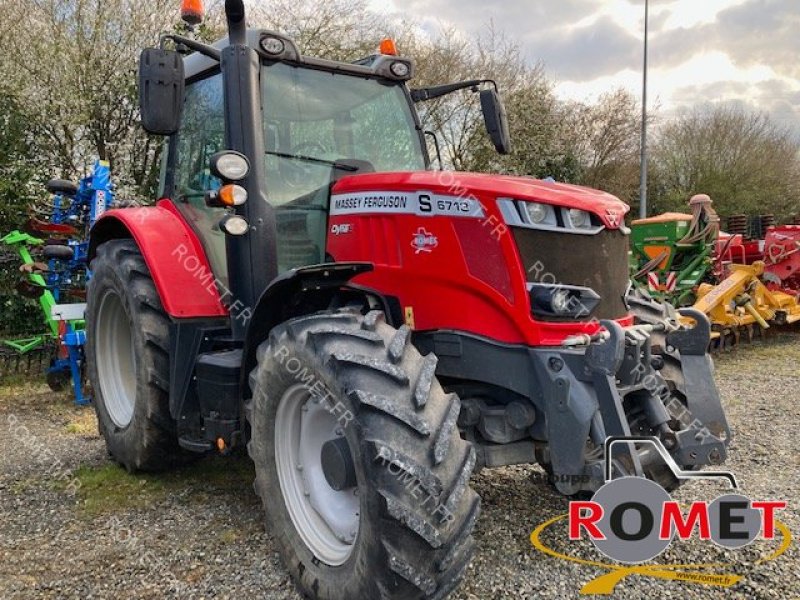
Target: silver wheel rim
[(116, 359), (327, 520)]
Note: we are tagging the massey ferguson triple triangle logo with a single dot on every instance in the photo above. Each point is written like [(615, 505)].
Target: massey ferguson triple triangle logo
[(612, 214), (631, 520)]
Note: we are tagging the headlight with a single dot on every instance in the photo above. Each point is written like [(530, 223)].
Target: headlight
[(562, 301), (579, 218), (537, 212), (273, 45), (233, 225), (399, 69), (229, 165)]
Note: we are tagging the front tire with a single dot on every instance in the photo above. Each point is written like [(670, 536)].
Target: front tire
[(127, 352), (404, 512)]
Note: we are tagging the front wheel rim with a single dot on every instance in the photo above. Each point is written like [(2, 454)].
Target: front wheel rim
[(327, 520), (116, 359)]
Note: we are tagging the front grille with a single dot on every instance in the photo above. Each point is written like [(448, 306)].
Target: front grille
[(597, 261)]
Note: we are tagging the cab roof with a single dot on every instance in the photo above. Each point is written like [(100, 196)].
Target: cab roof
[(372, 66)]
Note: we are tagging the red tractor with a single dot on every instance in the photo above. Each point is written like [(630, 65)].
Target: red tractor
[(370, 329)]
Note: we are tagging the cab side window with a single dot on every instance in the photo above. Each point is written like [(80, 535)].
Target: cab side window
[(201, 135)]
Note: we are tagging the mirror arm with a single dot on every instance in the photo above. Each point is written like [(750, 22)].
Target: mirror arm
[(424, 94), (432, 134), (200, 47)]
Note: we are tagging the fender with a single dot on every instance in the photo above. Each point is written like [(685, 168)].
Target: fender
[(173, 253), (297, 292)]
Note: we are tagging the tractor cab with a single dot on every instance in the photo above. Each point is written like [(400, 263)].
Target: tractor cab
[(318, 121), (302, 123)]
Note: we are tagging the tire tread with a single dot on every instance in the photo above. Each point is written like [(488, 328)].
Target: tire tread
[(408, 422)]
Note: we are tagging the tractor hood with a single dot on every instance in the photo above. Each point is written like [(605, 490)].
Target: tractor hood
[(609, 209)]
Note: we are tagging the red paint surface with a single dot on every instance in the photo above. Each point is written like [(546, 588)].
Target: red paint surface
[(473, 280), (182, 279)]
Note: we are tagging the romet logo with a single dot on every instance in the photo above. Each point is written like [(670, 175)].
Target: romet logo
[(632, 520)]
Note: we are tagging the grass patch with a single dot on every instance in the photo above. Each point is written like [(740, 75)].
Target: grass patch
[(23, 486), (23, 392), (82, 422), (110, 488), (229, 536)]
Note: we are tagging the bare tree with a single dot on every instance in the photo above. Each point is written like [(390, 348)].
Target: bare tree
[(334, 29), (76, 71), (605, 139), (746, 162), (457, 119)]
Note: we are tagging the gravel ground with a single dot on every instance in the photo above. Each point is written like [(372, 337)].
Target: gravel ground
[(198, 533)]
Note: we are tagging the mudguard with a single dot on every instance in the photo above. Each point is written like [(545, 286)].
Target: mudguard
[(299, 291), (173, 253)]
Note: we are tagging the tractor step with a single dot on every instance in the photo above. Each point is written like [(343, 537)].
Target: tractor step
[(195, 445), (218, 393)]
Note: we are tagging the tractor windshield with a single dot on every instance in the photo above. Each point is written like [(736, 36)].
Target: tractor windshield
[(313, 120)]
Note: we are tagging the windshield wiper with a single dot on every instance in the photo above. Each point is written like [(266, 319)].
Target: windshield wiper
[(321, 161)]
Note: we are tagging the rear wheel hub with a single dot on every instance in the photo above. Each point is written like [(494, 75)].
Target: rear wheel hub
[(337, 464)]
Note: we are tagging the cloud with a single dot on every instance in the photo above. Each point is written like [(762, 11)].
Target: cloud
[(760, 41), (763, 32), (758, 32), (775, 97), (578, 37), (587, 52), (571, 37), (518, 18), (699, 49), (677, 46)]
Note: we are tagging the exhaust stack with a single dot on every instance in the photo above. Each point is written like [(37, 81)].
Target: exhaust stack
[(237, 28)]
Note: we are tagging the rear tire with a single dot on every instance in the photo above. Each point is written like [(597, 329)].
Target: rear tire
[(410, 535), (127, 351)]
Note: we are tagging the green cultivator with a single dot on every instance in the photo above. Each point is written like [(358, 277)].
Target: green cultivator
[(26, 355), (744, 286), (55, 273), (673, 253), (31, 354)]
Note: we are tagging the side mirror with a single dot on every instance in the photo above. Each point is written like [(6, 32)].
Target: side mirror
[(494, 115), (161, 89)]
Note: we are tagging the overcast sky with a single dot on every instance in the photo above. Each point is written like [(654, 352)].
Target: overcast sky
[(700, 50)]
